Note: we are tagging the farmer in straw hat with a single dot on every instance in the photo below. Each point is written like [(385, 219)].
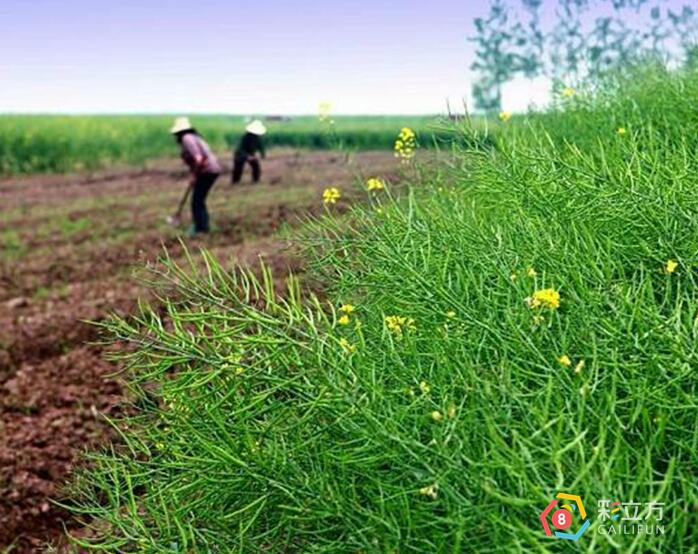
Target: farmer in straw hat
[(246, 152), (204, 168)]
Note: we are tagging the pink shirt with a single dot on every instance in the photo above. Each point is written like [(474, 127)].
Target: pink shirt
[(198, 156)]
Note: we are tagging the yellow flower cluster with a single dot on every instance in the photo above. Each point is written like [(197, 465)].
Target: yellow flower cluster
[(622, 131), (331, 195), (545, 298), (346, 310), (347, 346), (567, 362), (671, 266), (233, 363), (398, 323), (374, 184), (432, 491), (325, 112), (504, 116), (405, 144), (568, 92)]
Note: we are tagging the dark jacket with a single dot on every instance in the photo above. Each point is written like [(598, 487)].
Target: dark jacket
[(249, 145)]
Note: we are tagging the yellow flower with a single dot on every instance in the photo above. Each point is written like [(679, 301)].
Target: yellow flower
[(239, 370), (424, 387), (671, 266), (405, 144), (406, 133), (451, 315), (374, 184), (346, 308), (347, 346), (531, 272), (504, 116), (545, 298), (568, 92), (565, 360), (344, 320), (579, 367), (437, 416), (622, 131), (324, 111), (331, 195), (430, 491), (396, 323)]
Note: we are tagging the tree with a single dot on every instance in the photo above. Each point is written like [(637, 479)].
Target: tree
[(575, 40), (502, 51)]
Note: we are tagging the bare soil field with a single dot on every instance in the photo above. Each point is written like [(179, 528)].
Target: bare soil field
[(68, 249)]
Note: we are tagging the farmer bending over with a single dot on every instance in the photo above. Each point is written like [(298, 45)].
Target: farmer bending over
[(204, 167), (246, 152)]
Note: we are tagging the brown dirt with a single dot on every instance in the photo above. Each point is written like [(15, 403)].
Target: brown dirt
[(68, 245)]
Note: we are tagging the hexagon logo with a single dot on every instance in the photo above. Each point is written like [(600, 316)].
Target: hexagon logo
[(563, 517)]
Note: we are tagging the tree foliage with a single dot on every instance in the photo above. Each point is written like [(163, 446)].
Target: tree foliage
[(571, 40)]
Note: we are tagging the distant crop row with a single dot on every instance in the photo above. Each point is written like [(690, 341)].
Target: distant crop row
[(47, 143)]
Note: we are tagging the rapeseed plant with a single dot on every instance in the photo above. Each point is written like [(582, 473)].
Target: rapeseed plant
[(397, 324), (347, 346), (325, 112), (352, 459), (331, 195), (545, 298), (432, 491), (504, 116), (374, 184), (405, 144)]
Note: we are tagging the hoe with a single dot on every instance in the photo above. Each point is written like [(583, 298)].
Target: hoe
[(176, 219)]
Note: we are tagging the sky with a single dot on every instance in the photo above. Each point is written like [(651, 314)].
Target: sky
[(229, 56), (226, 56)]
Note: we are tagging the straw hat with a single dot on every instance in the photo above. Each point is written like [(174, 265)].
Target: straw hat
[(256, 128), (181, 124)]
